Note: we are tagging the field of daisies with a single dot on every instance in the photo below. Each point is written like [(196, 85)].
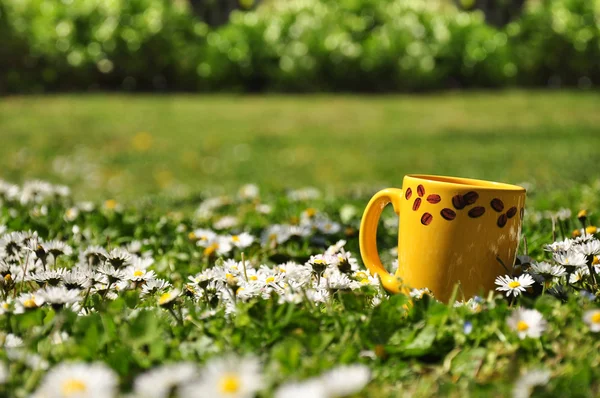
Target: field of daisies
[(258, 294)]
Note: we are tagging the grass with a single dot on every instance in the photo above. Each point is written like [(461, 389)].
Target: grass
[(125, 146), (128, 147)]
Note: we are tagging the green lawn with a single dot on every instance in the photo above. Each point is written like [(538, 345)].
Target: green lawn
[(126, 146)]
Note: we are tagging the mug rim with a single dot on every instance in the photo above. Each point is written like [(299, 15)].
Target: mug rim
[(468, 183)]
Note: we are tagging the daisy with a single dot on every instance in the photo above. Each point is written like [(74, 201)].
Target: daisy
[(135, 274), (12, 341), (275, 235), (514, 286), (579, 275), (225, 222), (57, 297), (328, 227), (559, 246), (77, 279), (230, 377), (263, 208), (546, 270), (419, 293), (571, 260), (79, 380), (312, 388), (28, 301), (162, 382), (592, 318), (527, 382), (155, 285), (6, 306), (304, 194), (345, 380), (202, 235), (71, 214), (93, 256), (113, 274), (166, 299), (57, 248), (248, 191), (52, 277), (242, 240), (527, 323), (589, 248), (119, 257)]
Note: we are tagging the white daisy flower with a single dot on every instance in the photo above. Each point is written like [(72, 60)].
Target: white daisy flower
[(58, 296), (514, 286), (419, 293), (303, 194), (527, 382), (79, 380), (220, 245), (579, 275), (571, 259), (119, 257), (248, 191), (345, 380), (226, 222), (264, 208), (6, 306), (77, 279), (328, 227), (71, 214), (154, 285), (162, 381), (527, 323), (547, 270), (275, 234), (203, 236), (167, 298), (28, 301), (338, 382), (559, 246), (242, 241), (589, 248), (592, 319), (57, 248), (12, 341), (113, 274), (135, 274), (227, 377)]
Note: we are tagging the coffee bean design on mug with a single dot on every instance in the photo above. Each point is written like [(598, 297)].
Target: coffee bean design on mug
[(460, 202)]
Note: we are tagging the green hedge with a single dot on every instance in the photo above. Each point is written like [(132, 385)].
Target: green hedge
[(302, 45)]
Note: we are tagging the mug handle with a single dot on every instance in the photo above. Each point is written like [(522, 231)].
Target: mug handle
[(368, 235)]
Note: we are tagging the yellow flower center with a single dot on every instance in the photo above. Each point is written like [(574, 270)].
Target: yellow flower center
[(591, 230), (239, 290), (137, 272), (514, 284), (576, 233), (596, 260), (273, 237), (5, 306), (30, 303), (192, 235), (361, 275), (165, 297), (582, 213), (253, 277), (228, 275), (596, 317), (270, 279), (364, 281), (70, 213), (110, 204), (235, 238), (229, 384), (73, 387), (211, 249), (319, 261), (311, 212), (7, 277), (522, 326)]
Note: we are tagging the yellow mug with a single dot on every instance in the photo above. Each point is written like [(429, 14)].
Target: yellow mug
[(451, 230)]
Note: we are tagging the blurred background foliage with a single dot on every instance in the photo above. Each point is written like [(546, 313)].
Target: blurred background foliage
[(299, 46)]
